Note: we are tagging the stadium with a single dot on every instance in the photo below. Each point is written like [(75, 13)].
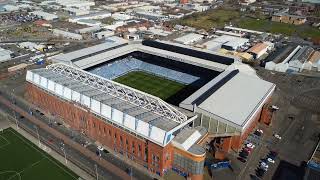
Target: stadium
[(154, 102)]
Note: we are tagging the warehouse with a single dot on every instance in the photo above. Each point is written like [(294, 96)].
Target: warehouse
[(66, 34), (5, 55), (91, 29), (44, 15), (189, 39), (258, 50), (231, 43), (103, 34)]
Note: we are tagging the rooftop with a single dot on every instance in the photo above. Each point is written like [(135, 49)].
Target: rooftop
[(188, 38), (63, 83), (257, 48), (242, 92)]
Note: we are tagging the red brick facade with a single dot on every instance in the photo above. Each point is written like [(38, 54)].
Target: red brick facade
[(142, 151)]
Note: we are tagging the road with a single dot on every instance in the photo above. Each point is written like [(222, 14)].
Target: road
[(75, 150)]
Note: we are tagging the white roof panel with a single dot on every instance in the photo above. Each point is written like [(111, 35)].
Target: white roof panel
[(242, 94)]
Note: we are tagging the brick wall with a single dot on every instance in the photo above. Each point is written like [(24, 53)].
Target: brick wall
[(143, 152)]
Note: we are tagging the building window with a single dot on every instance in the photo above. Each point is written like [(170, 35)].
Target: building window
[(93, 125), (133, 147)]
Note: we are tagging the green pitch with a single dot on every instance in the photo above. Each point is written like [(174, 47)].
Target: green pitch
[(22, 160), (151, 84)]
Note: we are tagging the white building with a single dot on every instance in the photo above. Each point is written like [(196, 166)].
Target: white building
[(83, 5), (44, 15), (103, 34), (66, 34), (231, 43), (121, 16), (5, 55), (189, 39), (98, 15), (88, 29), (10, 8), (76, 12), (297, 62)]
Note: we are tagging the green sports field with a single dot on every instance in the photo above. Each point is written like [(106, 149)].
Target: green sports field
[(22, 160), (151, 84)]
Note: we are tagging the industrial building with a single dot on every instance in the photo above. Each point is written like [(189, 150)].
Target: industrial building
[(66, 34), (227, 42), (91, 29), (5, 55), (79, 88), (103, 34), (258, 50), (44, 15), (189, 39)]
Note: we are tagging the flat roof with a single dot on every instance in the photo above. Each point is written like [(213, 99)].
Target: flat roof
[(71, 56), (242, 94), (232, 97), (117, 52), (188, 37)]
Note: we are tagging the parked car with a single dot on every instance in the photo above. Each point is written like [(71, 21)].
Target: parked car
[(277, 136), (242, 159), (270, 160)]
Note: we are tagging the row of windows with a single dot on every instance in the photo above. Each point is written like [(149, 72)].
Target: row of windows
[(123, 142)]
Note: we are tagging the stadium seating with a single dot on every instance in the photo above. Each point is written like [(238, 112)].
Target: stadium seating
[(122, 67)]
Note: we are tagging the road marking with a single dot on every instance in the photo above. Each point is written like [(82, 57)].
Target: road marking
[(3, 172), (7, 142), (45, 155)]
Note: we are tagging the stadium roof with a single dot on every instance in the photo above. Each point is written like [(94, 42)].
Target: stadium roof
[(120, 50), (155, 118), (232, 97), (85, 52)]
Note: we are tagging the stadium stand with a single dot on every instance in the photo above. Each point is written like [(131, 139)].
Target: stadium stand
[(121, 67)]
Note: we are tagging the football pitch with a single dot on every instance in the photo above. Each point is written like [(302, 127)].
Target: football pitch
[(20, 159), (151, 84)]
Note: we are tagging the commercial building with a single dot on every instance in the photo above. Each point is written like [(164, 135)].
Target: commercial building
[(44, 15), (258, 50), (5, 55), (66, 34), (144, 128), (189, 39)]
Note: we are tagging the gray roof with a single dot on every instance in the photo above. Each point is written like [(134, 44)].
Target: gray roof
[(99, 95), (82, 53), (234, 101), (303, 54)]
